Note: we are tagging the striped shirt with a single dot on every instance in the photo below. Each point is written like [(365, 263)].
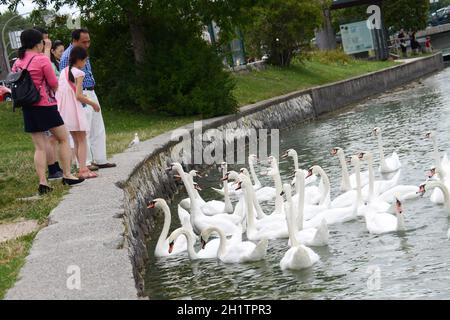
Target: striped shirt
[(89, 81)]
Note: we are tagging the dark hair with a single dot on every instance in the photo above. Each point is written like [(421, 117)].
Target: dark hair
[(76, 34), (29, 39), (55, 45), (77, 53), (41, 30)]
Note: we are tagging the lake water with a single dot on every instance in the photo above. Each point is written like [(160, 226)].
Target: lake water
[(413, 265)]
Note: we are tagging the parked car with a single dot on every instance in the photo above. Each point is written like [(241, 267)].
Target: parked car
[(5, 93), (441, 16)]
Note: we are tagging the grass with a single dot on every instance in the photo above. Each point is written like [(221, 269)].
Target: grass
[(274, 81), (17, 176)]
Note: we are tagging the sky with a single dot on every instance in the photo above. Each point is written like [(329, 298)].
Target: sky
[(28, 6)]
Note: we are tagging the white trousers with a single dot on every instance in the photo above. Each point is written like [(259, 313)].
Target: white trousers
[(96, 136)]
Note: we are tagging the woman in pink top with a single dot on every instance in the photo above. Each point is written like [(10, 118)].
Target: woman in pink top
[(43, 116), (71, 106)]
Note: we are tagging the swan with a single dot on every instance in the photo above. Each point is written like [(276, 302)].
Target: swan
[(443, 162), (291, 153), (348, 181), (437, 184), (270, 227), (230, 251), (163, 242), (375, 188), (402, 193), (379, 223), (437, 197), (389, 164), (199, 221), (338, 215), (313, 237), (298, 257), (209, 250), (323, 199)]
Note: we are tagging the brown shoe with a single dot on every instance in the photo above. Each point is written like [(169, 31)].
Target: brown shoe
[(106, 165), (93, 167)]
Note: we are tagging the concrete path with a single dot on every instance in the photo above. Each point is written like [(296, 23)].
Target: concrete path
[(81, 254)]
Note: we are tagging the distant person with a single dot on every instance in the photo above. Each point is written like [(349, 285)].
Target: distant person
[(97, 157), (404, 48), (415, 45), (43, 115), (72, 103), (428, 47)]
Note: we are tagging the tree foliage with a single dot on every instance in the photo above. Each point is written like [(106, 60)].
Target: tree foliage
[(283, 29)]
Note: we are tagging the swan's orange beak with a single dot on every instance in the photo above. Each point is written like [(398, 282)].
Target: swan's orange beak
[(151, 205), (428, 135), (285, 155), (239, 186), (361, 155), (333, 152), (171, 247), (310, 173), (431, 173)]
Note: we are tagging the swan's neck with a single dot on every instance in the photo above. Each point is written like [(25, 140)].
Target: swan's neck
[(278, 189), (166, 227), (190, 244), (228, 205), (400, 222), (290, 224), (223, 242), (381, 149), (345, 175), (359, 197), (326, 187), (371, 180), (296, 166), (445, 191), (253, 173), (300, 183), (251, 229)]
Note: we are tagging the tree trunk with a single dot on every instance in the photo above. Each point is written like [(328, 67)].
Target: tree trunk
[(325, 37), (137, 37)]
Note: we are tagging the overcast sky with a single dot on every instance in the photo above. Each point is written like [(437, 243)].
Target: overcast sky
[(28, 6)]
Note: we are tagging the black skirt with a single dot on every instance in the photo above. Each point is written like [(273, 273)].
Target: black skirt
[(41, 119)]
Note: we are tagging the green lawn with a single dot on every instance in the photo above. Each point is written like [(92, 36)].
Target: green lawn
[(260, 85), (17, 176)]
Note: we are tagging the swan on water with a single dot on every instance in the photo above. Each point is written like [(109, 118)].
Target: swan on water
[(388, 164)]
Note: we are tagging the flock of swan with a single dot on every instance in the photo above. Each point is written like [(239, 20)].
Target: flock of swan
[(302, 216)]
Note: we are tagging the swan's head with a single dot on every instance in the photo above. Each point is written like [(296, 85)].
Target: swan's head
[(175, 166), (223, 167), (272, 160), (244, 171), (422, 190), (289, 153), (204, 236), (195, 174), (157, 203), (376, 131), (336, 151), (253, 158), (431, 173), (312, 172), (430, 135), (365, 156), (173, 236)]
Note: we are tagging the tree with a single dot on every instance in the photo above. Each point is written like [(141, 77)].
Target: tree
[(283, 28)]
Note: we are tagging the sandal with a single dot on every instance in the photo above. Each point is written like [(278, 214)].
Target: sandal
[(87, 174)]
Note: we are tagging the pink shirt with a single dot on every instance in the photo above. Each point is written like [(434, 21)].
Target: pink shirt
[(42, 74)]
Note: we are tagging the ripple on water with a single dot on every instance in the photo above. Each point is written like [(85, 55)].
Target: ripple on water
[(412, 265)]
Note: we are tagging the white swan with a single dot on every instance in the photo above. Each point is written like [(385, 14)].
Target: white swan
[(443, 162), (298, 257), (230, 251), (209, 250), (163, 242), (348, 181), (437, 196), (375, 188), (337, 215), (270, 227), (323, 198), (437, 184), (313, 237), (389, 164), (291, 153), (199, 221), (379, 223)]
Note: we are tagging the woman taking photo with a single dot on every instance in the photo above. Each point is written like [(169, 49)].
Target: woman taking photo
[(43, 115)]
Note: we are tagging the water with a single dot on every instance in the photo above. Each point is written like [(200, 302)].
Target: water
[(413, 265)]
